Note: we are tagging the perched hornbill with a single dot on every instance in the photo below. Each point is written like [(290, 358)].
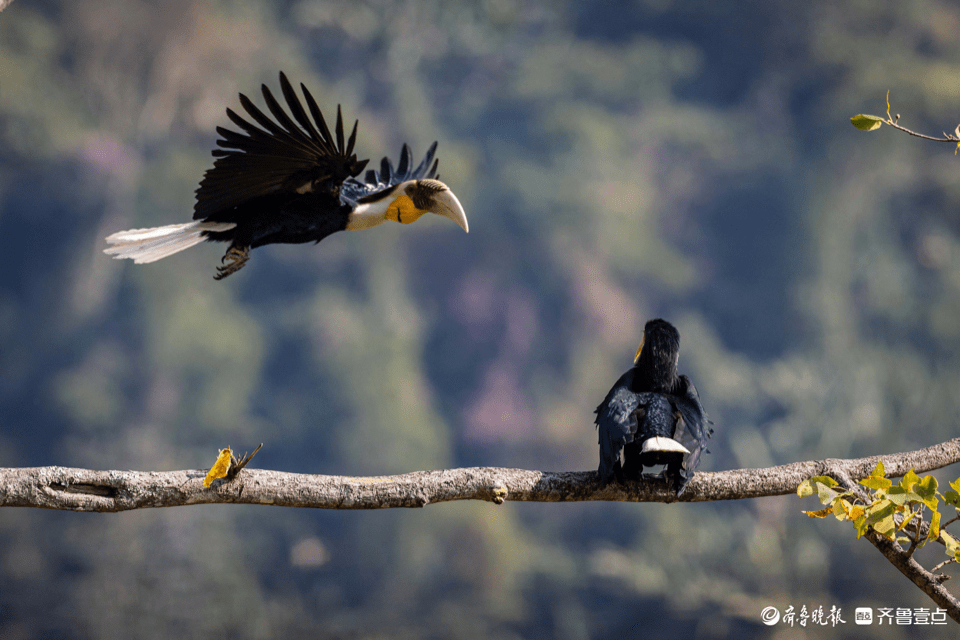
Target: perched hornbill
[(653, 415), (284, 183)]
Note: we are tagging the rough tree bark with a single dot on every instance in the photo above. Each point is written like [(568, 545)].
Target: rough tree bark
[(88, 490), (110, 491)]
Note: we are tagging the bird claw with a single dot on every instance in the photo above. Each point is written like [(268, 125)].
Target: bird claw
[(237, 256)]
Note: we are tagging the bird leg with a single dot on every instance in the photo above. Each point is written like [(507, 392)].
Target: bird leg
[(237, 256)]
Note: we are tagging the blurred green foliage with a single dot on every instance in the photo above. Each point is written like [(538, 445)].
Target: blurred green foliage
[(617, 162)]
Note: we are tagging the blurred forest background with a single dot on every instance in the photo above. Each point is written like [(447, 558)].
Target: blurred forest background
[(617, 162)]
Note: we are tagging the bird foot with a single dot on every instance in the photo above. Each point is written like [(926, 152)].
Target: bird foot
[(237, 256)]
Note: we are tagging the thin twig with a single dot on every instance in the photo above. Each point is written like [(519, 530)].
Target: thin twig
[(947, 137), (942, 565)]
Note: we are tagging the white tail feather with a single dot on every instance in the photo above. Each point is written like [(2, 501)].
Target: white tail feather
[(663, 445), (150, 245)]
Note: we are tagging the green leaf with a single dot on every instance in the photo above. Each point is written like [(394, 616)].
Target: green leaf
[(865, 122), (952, 498), (955, 485)]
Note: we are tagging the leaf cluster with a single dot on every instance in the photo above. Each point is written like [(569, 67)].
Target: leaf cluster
[(895, 511)]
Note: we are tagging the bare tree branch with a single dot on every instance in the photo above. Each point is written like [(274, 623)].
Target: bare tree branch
[(909, 567), (87, 490), (109, 491)]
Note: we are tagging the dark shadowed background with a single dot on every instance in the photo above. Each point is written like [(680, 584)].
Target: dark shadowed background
[(617, 162)]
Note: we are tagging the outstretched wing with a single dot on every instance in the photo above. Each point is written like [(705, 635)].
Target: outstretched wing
[(693, 428), (277, 157), (375, 181)]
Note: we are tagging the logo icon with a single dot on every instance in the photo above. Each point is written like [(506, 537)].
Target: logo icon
[(863, 615), (770, 616)]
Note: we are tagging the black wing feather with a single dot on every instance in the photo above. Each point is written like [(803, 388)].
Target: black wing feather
[(375, 181), (299, 114), (693, 428), (617, 421), (339, 129), (275, 156), (317, 116), (406, 159), (616, 426), (353, 138)]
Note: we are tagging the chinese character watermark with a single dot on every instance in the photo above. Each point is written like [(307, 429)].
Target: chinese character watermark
[(820, 616)]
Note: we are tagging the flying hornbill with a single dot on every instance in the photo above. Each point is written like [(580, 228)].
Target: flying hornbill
[(284, 183), (653, 415)]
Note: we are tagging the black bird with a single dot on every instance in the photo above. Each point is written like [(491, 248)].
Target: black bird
[(284, 183), (653, 415)]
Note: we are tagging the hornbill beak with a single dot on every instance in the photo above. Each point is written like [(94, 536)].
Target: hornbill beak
[(640, 348), (445, 204)]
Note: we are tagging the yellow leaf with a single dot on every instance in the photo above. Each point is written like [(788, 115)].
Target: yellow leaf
[(952, 544), (907, 518), (823, 513), (879, 483), (857, 512), (861, 525), (220, 467), (886, 527), (839, 509), (809, 487), (909, 480), (934, 526), (866, 122)]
